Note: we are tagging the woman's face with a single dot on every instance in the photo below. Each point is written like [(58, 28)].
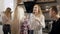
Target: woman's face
[(35, 9)]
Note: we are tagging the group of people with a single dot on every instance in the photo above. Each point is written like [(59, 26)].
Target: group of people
[(33, 23)]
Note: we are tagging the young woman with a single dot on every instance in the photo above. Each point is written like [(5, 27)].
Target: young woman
[(6, 20), (17, 20), (37, 20)]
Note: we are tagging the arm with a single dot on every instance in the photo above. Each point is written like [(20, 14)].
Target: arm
[(41, 21), (4, 20)]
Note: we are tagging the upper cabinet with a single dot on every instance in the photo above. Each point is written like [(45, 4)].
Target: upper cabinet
[(45, 0), (21, 1), (38, 1)]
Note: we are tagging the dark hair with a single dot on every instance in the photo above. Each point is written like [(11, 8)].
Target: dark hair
[(54, 8), (9, 8)]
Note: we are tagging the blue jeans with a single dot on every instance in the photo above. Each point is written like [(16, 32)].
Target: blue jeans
[(6, 29), (30, 31)]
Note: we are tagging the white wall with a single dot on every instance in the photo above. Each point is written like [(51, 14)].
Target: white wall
[(1, 8), (6, 3)]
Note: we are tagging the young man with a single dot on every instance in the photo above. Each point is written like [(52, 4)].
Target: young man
[(56, 20)]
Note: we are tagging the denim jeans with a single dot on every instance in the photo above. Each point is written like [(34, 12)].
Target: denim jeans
[(6, 29), (30, 31)]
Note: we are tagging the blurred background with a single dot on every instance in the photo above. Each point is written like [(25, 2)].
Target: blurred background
[(28, 6)]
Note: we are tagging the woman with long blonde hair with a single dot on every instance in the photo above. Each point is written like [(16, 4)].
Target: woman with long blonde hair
[(36, 20), (18, 17)]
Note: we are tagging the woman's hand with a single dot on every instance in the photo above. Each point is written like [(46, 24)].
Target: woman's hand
[(37, 19)]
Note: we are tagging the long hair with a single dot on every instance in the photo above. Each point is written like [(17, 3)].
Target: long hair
[(39, 9), (7, 12), (19, 13), (15, 13)]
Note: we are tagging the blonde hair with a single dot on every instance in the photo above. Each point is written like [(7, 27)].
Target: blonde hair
[(15, 13), (19, 13), (39, 9)]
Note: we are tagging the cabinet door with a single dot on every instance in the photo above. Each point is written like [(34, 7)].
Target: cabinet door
[(45, 0), (51, 0), (21, 1), (40, 0)]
